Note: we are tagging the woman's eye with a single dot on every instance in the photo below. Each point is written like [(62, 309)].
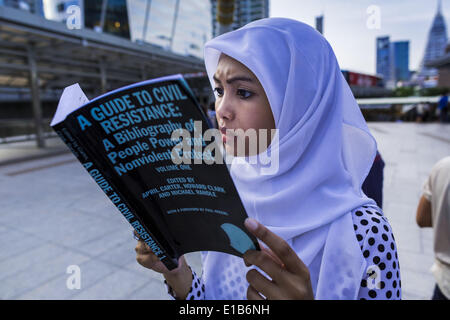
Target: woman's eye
[(244, 94), (219, 91)]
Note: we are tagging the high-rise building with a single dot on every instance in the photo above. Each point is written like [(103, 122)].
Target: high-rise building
[(436, 43), (383, 58), (104, 16), (392, 60), (400, 60), (180, 26), (107, 16), (245, 11)]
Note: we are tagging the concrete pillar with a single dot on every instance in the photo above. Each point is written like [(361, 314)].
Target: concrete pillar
[(147, 15), (35, 97), (174, 23), (143, 73), (103, 80), (103, 14)]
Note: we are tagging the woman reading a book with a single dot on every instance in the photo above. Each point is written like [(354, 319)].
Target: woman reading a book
[(322, 237)]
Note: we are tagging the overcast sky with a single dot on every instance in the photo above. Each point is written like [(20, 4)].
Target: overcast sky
[(345, 26)]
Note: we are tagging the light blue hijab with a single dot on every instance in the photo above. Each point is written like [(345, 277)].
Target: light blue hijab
[(325, 153)]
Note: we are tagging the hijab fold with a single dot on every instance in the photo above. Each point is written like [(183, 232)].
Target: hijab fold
[(325, 150)]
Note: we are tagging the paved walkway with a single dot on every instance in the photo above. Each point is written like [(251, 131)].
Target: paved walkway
[(53, 217)]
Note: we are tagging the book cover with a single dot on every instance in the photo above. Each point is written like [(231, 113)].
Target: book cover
[(144, 145)]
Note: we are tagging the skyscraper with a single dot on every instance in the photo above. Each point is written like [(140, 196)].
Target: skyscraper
[(383, 58), (107, 16), (400, 60), (392, 60), (436, 43), (180, 26), (245, 11)]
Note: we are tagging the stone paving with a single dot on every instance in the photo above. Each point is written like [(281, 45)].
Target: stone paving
[(53, 216)]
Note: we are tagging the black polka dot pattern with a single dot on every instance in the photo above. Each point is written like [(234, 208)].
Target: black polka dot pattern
[(197, 291), (373, 232)]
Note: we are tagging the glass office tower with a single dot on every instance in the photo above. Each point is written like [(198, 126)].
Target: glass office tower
[(245, 11), (178, 25), (107, 16), (401, 60), (383, 58), (392, 60)]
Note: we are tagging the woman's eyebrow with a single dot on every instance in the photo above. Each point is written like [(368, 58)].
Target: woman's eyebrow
[(233, 79)]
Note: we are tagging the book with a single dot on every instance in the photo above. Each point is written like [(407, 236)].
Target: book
[(165, 185)]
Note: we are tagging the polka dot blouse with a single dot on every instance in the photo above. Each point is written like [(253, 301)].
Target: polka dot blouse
[(377, 243)]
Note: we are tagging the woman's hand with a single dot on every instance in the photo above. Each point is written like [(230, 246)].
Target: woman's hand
[(179, 279), (290, 276), (146, 258)]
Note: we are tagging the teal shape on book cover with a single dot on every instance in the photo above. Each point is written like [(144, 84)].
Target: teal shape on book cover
[(239, 240)]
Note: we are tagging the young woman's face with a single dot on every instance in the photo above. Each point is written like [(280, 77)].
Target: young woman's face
[(241, 104)]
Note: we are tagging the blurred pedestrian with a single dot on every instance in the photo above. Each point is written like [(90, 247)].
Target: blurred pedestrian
[(434, 211), (212, 115), (373, 185), (443, 107), (423, 112)]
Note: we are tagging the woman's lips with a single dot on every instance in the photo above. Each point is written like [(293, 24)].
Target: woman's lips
[(226, 132)]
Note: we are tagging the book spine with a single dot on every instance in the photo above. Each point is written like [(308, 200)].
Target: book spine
[(113, 194)]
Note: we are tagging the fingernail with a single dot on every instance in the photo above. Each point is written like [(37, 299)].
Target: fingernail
[(251, 224)]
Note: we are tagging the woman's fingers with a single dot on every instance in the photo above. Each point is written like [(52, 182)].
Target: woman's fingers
[(290, 276), (261, 284), (142, 248), (267, 264), (273, 256), (280, 247), (252, 294)]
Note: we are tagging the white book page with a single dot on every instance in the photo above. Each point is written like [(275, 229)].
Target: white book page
[(71, 99)]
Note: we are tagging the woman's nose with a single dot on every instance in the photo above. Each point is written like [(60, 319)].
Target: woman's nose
[(224, 108)]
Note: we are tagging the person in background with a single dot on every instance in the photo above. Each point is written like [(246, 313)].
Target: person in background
[(434, 211), (212, 115), (206, 112), (423, 112), (443, 107), (373, 185)]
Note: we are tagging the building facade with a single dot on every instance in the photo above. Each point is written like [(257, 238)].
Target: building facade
[(110, 17), (383, 57), (34, 6), (392, 61), (179, 26), (401, 60), (57, 10), (245, 11), (436, 44)]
